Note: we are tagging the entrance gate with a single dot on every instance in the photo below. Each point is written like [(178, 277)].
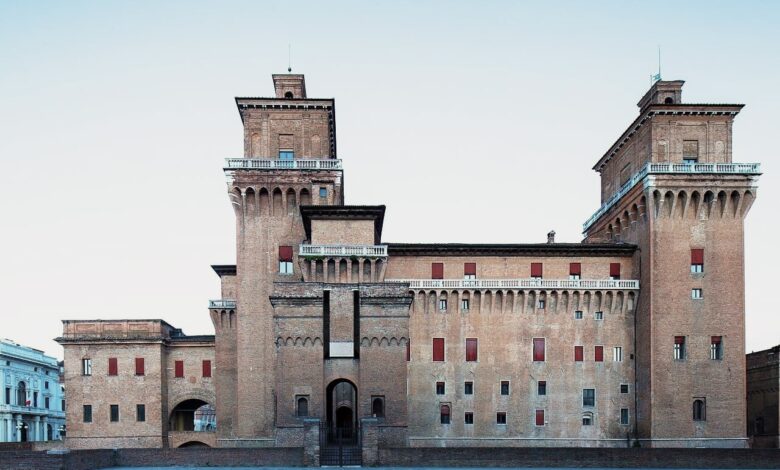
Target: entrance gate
[(340, 445)]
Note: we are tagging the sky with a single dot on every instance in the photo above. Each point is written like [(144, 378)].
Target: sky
[(472, 122)]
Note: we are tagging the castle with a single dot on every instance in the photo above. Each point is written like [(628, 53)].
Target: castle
[(636, 335)]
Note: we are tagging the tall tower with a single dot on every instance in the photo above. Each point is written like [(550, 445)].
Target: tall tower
[(669, 185), (289, 160)]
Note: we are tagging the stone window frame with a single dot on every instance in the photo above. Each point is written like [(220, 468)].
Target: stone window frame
[(501, 388)]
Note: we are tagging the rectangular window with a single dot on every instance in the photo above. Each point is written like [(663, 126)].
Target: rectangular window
[(504, 387), (7, 395), (285, 260), (438, 349), (501, 417), (623, 388), (696, 294), (206, 368), (617, 354), (468, 418), (114, 413), (443, 305), (468, 388), (46, 384), (464, 305), (598, 315), (444, 414), (578, 353), (62, 403), (540, 304), (716, 348), (690, 151), (697, 260), (139, 366), (86, 367), (408, 350), (87, 416), (469, 270), (540, 417), (575, 271), (46, 403), (439, 388), (538, 349), (323, 192), (112, 366), (536, 270), (140, 413), (679, 348), (599, 354), (541, 388), (286, 155), (471, 349), (578, 314), (614, 271), (624, 416), (588, 397), (35, 399), (179, 369), (437, 270)]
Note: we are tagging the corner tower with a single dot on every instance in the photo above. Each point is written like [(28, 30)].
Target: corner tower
[(669, 185), (289, 160)]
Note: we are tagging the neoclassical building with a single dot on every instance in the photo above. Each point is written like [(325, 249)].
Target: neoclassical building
[(32, 407), (634, 335)]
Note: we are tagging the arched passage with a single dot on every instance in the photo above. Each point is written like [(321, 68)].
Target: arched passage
[(342, 407), (193, 415), (194, 444)]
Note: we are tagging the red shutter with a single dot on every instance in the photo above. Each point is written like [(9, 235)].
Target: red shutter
[(438, 349), (536, 269), (179, 369), (538, 349), (697, 256), (408, 350), (285, 253), (471, 349), (206, 368), (437, 270), (540, 417), (578, 353), (112, 366), (614, 269), (470, 269), (139, 366), (599, 353), (716, 339), (679, 340), (575, 269)]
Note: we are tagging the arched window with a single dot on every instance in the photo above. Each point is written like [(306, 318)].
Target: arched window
[(699, 410), (587, 419), (444, 414), (288, 95), (378, 407), (21, 394), (669, 100), (302, 406)]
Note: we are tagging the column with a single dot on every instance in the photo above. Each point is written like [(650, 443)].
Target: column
[(17, 420), (3, 437), (36, 426), (45, 428)]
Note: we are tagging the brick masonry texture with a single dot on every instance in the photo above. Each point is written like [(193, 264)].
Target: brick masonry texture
[(327, 336)]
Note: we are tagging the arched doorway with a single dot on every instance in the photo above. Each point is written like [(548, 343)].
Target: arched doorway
[(342, 408), (193, 415), (49, 433)]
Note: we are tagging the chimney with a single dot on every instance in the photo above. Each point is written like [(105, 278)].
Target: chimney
[(551, 236)]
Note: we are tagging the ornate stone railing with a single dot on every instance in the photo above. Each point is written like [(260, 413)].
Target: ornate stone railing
[(598, 284), (275, 164), (342, 250), (673, 168), (222, 303)]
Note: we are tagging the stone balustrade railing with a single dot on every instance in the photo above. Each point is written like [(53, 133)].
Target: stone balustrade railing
[(275, 164), (222, 303), (368, 251), (597, 284)]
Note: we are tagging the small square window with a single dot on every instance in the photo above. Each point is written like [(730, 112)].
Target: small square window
[(323, 192), (690, 161), (286, 154), (540, 304), (468, 418), (439, 388), (443, 305), (468, 388), (696, 294), (623, 388), (574, 277), (578, 314), (697, 268), (469, 276), (285, 267), (464, 305), (587, 419), (541, 388), (624, 416), (598, 315), (504, 387), (501, 417)]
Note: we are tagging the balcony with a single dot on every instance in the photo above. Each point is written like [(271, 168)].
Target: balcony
[(276, 164), (344, 251), (595, 284), (222, 303), (669, 169), (32, 410)]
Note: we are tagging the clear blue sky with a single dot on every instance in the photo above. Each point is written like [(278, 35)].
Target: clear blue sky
[(473, 122)]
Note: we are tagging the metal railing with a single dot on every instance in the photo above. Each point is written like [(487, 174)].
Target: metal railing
[(672, 168), (222, 303), (343, 250), (275, 164), (530, 283)]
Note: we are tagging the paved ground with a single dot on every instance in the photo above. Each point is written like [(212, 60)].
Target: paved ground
[(379, 468)]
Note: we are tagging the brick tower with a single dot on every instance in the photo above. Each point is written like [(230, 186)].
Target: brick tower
[(669, 186), (289, 160)]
